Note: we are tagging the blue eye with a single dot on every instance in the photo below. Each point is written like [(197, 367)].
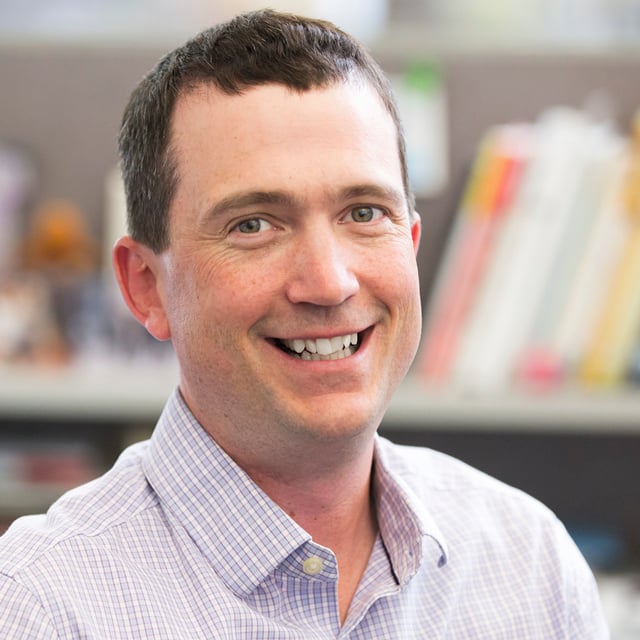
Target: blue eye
[(253, 225)]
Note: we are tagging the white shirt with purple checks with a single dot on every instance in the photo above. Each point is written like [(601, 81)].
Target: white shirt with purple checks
[(176, 542)]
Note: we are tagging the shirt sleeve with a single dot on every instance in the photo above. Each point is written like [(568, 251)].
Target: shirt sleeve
[(22, 615)]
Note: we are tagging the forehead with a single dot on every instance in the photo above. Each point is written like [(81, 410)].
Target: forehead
[(271, 137), (275, 106)]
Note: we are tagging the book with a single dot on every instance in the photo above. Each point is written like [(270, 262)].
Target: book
[(494, 178), (609, 351), (544, 360), (603, 244), (523, 261), (618, 323)]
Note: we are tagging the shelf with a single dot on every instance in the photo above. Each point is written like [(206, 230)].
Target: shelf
[(122, 391), (20, 499), (615, 411), (133, 393), (415, 41)]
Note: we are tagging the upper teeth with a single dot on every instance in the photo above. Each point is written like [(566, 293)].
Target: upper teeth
[(323, 346)]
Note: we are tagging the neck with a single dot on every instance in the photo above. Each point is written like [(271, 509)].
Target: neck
[(334, 506), (319, 497)]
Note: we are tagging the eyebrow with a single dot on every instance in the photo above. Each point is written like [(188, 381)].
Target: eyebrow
[(397, 198), (247, 199)]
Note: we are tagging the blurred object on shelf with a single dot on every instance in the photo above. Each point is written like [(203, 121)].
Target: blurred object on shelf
[(17, 181), (422, 104), (608, 359), (34, 474), (28, 330), (56, 463), (58, 242), (59, 302), (542, 287), (631, 196), (632, 204), (60, 251), (487, 199)]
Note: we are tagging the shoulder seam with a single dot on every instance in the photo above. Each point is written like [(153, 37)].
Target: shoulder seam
[(21, 567)]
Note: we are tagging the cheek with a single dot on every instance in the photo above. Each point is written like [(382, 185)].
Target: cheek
[(401, 286), (184, 299), (414, 304), (397, 272), (221, 295)]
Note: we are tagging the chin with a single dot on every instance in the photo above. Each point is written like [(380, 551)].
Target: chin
[(338, 426)]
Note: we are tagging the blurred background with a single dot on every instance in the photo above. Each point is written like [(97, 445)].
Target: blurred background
[(524, 146)]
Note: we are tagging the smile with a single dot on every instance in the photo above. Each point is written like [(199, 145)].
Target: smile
[(321, 348)]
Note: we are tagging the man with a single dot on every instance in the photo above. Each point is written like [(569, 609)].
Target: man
[(273, 241)]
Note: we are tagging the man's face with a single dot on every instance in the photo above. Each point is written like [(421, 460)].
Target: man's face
[(290, 285)]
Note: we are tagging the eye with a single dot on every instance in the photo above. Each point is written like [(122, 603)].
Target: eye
[(253, 225), (365, 214)]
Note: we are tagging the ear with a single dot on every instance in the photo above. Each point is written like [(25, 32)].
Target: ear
[(416, 231), (137, 269)]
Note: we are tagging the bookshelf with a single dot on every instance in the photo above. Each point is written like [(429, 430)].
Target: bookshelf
[(135, 395), (576, 411), (535, 440), (575, 451), (114, 392), (60, 427)]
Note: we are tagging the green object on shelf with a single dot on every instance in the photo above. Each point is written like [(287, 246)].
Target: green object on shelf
[(424, 76)]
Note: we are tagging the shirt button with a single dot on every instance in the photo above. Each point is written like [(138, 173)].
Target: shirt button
[(312, 566)]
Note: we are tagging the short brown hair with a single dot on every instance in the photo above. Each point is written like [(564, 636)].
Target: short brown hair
[(252, 49)]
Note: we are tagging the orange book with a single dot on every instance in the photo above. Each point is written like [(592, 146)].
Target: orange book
[(494, 178), (618, 322)]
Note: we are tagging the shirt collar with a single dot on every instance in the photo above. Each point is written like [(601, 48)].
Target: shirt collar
[(409, 532), (241, 531), (236, 526)]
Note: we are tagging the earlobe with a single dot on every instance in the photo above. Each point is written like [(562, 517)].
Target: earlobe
[(136, 273), (416, 231)]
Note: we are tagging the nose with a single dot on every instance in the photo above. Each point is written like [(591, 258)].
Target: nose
[(322, 272)]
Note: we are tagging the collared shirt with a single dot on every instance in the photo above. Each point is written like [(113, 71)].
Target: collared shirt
[(177, 542)]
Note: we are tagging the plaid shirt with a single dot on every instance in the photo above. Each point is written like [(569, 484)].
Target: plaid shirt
[(176, 542)]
